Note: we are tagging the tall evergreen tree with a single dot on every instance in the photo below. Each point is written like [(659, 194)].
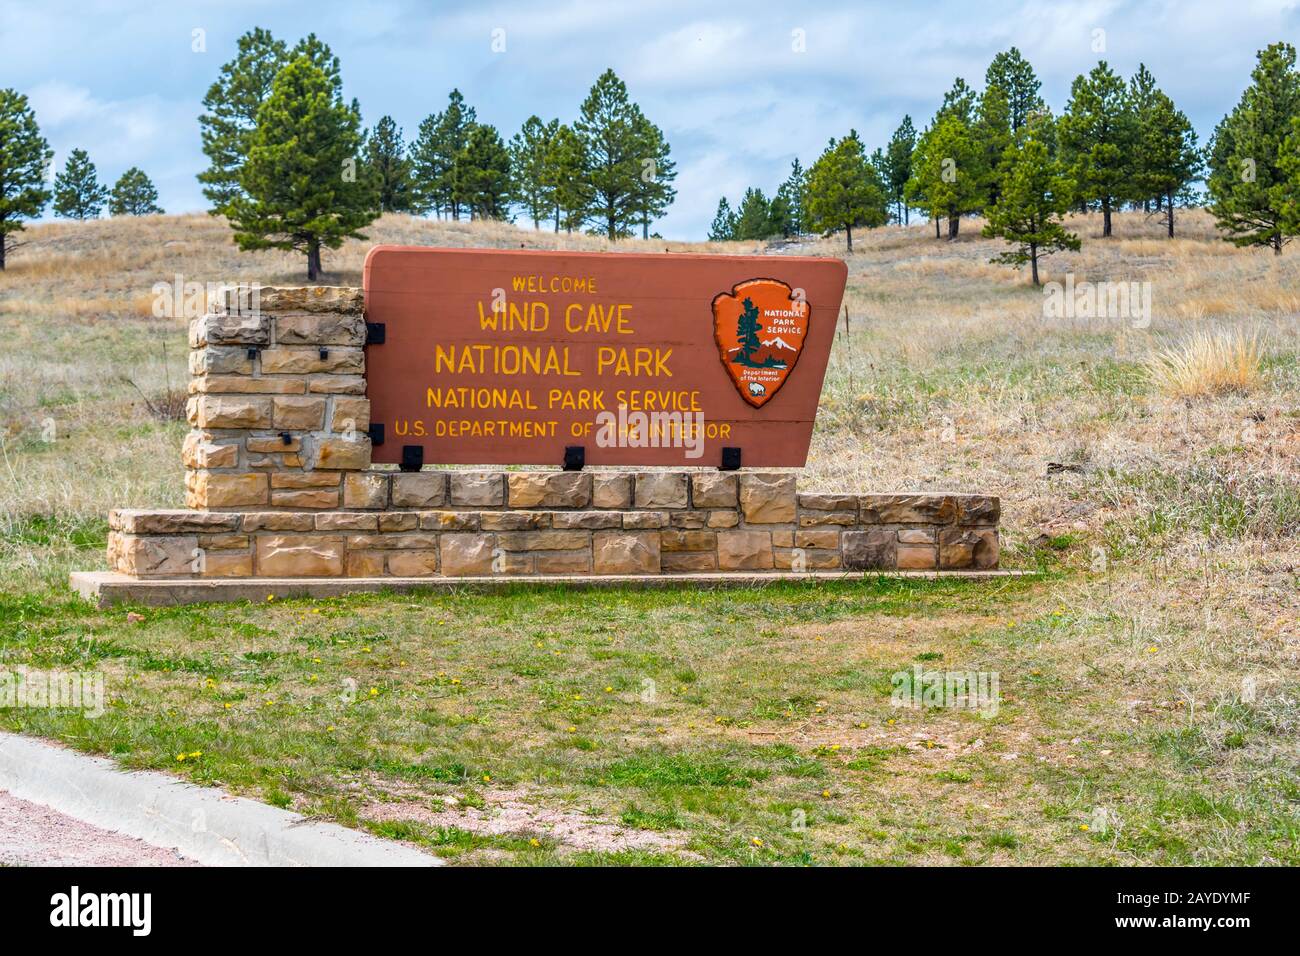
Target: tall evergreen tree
[(612, 131), (1097, 134), (302, 186), (387, 161), (1248, 185), (790, 193), (654, 192), (959, 101), (1034, 197), (753, 216), (994, 132), (24, 156), (133, 195), (948, 172), (440, 139), (78, 193), (1167, 158), (723, 228), (483, 174), (529, 149), (898, 167), (1013, 74), (843, 190), (566, 177)]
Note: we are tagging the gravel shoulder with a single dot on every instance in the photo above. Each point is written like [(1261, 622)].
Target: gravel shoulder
[(35, 835)]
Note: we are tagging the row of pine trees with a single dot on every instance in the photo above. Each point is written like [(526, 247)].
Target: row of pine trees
[(1002, 154)]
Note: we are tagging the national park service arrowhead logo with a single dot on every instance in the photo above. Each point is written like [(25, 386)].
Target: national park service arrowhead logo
[(760, 327)]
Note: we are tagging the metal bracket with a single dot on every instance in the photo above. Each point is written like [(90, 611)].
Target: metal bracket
[(376, 433), (575, 457), (412, 457), (730, 459), (376, 333), (324, 353)]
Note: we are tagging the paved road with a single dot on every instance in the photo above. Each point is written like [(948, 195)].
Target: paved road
[(35, 835)]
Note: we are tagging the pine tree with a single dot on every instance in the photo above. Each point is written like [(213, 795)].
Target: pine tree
[(753, 216), (231, 106), (959, 102), (134, 195), (1167, 158), (654, 191), (1249, 186), (1098, 135), (1013, 74), (566, 176), (24, 156), (1142, 90), (441, 138), (78, 193), (482, 173), (790, 195), (612, 131), (747, 329), (387, 161), (723, 228), (843, 190), (948, 172), (898, 167), (1035, 195), (994, 132), (528, 166), (302, 186)]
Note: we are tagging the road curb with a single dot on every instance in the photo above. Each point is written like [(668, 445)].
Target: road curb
[(203, 823)]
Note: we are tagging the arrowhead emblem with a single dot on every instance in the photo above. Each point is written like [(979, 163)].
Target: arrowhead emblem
[(760, 327)]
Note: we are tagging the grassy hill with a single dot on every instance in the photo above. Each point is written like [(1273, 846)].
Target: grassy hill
[(1153, 672)]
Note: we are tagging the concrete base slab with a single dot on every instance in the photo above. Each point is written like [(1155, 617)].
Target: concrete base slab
[(105, 588), (203, 823)]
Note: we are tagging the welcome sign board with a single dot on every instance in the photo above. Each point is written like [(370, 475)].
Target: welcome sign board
[(510, 357)]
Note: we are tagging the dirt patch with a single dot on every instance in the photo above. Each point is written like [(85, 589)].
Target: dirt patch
[(36, 835)]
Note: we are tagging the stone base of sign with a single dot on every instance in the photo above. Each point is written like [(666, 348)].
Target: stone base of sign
[(106, 588), (543, 524)]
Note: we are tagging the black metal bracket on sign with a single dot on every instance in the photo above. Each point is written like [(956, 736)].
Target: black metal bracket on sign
[(252, 353), (376, 433), (575, 457), (730, 459), (376, 332), (412, 457)]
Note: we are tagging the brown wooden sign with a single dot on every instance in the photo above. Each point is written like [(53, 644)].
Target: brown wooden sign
[(509, 357)]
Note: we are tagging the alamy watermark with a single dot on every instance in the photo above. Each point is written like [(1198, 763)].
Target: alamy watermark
[(182, 299), (955, 690), (637, 429), (53, 690), (1113, 301)]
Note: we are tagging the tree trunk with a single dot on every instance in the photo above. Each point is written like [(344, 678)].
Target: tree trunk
[(1277, 244), (1033, 261), (936, 227), (1171, 215), (1105, 218), (848, 235), (645, 228), (954, 224), (906, 215), (313, 261), (609, 226), (2, 251)]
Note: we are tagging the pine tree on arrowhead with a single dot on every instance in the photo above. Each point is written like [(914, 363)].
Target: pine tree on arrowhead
[(612, 130), (723, 228), (1249, 185), (302, 184), (843, 190), (78, 193), (385, 155), (528, 156), (1097, 136), (24, 159), (898, 167), (134, 195), (482, 174), (1014, 75), (231, 106), (1035, 196)]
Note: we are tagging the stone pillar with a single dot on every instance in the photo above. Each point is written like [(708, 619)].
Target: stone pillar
[(277, 400)]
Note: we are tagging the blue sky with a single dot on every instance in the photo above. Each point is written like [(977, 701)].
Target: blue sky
[(725, 81)]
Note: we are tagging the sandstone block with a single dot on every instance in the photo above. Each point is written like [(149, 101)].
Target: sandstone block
[(688, 540), (272, 444), (543, 540), (968, 548), (198, 450), (155, 555), (306, 479), (448, 521), (365, 564), (350, 414), (347, 521), (228, 564), (277, 521), (365, 491), (299, 556), (714, 491), (611, 491), (477, 489), (644, 520), (916, 536), (819, 538), (689, 520), (978, 509), (588, 520), (618, 552), (337, 384), (232, 411), (399, 521), (466, 554), (767, 498), (681, 561), (246, 385), (723, 519), (133, 521), (321, 328), (917, 557), (660, 489), (562, 562), (800, 560), (303, 360), (347, 454), (515, 521), (223, 542), (228, 329), (204, 489), (220, 360), (421, 489), (907, 509), (413, 564), (814, 519), (746, 550), (318, 298), (542, 489), (820, 502), (298, 412), (872, 549)]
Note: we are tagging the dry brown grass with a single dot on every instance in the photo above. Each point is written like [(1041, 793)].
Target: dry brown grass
[(1207, 363)]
